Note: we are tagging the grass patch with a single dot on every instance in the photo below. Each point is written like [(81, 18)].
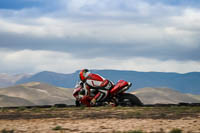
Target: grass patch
[(36, 110), (135, 131), (82, 107), (21, 109), (131, 131), (7, 131), (138, 114), (132, 114), (57, 128), (140, 131), (176, 130), (163, 115), (3, 110), (102, 112), (53, 108)]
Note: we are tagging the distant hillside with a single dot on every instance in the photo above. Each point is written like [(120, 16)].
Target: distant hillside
[(185, 83), (194, 96), (163, 96), (7, 101), (52, 78), (36, 93), (39, 93), (9, 80)]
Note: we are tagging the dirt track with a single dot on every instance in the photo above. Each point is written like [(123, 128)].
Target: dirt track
[(79, 120)]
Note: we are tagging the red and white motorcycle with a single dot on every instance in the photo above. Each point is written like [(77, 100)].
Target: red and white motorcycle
[(116, 96)]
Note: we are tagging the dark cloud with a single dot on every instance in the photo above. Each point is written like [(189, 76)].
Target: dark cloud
[(91, 48)]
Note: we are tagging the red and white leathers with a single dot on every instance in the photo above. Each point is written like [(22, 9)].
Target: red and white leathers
[(98, 83)]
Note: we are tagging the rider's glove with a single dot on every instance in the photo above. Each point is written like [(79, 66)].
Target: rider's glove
[(93, 101)]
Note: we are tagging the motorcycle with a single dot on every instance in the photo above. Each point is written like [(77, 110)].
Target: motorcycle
[(117, 96)]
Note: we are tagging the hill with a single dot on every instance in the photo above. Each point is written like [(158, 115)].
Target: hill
[(52, 78), (9, 80), (8, 101), (194, 96), (185, 83), (39, 93), (163, 96), (36, 93)]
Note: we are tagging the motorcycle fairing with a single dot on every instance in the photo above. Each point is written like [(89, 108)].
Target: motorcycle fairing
[(120, 87)]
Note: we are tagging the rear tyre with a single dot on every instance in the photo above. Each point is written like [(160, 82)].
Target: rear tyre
[(127, 99)]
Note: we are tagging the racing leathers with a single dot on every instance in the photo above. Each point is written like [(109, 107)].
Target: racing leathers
[(97, 87)]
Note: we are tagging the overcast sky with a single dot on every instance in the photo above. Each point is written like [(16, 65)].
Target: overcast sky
[(66, 35)]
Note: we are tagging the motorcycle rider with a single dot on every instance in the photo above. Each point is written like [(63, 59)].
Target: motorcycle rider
[(95, 82)]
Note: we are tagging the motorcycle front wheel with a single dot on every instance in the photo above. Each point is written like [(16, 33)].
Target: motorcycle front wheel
[(77, 103)]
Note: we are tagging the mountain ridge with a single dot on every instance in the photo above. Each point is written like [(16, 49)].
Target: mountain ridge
[(10, 79), (185, 83)]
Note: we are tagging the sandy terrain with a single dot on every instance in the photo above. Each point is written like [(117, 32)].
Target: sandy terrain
[(90, 124), (100, 125)]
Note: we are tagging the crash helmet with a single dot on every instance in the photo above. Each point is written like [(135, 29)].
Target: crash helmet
[(84, 74)]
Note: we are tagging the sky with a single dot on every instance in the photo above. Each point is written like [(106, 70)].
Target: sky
[(68, 35)]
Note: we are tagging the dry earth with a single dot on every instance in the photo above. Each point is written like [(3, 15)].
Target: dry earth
[(102, 119)]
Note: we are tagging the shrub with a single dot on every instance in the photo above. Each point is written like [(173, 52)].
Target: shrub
[(57, 128), (53, 108), (135, 131), (131, 131), (21, 109), (176, 130), (7, 131), (3, 110), (36, 110)]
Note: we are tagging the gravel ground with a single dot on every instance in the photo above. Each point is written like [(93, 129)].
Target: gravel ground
[(104, 120)]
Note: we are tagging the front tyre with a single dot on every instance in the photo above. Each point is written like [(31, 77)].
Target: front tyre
[(77, 103), (127, 99)]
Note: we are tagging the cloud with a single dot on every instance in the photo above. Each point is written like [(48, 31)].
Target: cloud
[(24, 60), (109, 38), (108, 21), (130, 30)]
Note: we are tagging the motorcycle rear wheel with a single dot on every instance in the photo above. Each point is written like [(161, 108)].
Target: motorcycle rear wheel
[(127, 99)]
